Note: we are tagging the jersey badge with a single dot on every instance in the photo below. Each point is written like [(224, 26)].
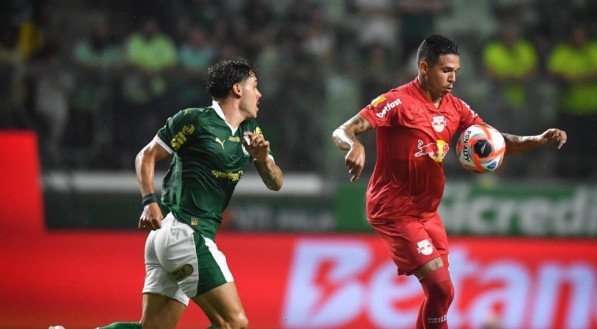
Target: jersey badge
[(219, 141), (378, 101), (436, 150), (424, 247), (439, 123), (182, 272)]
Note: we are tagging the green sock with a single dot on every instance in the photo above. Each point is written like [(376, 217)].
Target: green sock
[(123, 325)]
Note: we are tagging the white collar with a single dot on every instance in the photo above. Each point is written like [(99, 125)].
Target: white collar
[(220, 113)]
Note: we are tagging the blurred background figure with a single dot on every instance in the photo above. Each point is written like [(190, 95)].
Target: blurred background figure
[(99, 60), (573, 65), (52, 86), (151, 57), (194, 56), (510, 65)]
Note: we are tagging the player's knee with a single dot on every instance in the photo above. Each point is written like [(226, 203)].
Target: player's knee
[(238, 321), (438, 285)]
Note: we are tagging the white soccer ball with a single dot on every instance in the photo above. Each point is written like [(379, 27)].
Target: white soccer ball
[(481, 148)]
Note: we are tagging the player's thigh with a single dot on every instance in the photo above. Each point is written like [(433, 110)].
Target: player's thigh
[(160, 311), (222, 304), (437, 233), (408, 241)]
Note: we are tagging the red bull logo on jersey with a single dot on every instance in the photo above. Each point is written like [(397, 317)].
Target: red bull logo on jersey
[(439, 123), (436, 150), (424, 247)]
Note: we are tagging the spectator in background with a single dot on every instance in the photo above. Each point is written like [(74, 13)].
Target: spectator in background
[(377, 23), (151, 57), (53, 84), (255, 30), (510, 62), (417, 21), (510, 65), (21, 38), (195, 55), (573, 63), (99, 59)]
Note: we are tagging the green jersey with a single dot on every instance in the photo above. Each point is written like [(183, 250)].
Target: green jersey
[(208, 161)]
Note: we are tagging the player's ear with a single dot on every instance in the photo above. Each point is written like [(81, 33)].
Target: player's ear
[(423, 66), (237, 89)]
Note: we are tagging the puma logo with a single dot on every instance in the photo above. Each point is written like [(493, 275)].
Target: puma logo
[(221, 142)]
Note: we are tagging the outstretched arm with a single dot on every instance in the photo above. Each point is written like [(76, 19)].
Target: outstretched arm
[(151, 217), (258, 148), (345, 138), (517, 144)]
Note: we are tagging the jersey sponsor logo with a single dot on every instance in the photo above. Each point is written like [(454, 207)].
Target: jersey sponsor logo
[(182, 272), (388, 107), (234, 139), (219, 141), (424, 247), (436, 150), (439, 123), (378, 101), (231, 176), (181, 137)]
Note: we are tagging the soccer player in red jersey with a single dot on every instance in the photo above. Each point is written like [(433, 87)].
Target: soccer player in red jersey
[(414, 124)]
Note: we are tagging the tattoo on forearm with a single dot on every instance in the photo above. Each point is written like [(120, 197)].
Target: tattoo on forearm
[(270, 174)]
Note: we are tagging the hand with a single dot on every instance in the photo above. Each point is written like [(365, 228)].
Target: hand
[(151, 217), (256, 145), (355, 160), (554, 136)]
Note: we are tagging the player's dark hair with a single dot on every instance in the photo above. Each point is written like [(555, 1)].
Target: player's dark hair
[(434, 46), (224, 74)]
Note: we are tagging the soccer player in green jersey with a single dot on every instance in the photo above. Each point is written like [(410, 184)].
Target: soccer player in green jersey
[(210, 148)]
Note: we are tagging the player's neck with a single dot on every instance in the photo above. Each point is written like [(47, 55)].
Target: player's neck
[(435, 99), (232, 113)]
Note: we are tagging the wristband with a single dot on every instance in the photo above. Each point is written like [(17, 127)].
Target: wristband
[(148, 198)]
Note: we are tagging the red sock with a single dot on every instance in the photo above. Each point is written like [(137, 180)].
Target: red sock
[(420, 324), (439, 293)]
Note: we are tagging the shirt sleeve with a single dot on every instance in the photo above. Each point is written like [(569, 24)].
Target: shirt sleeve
[(178, 129), (468, 116), (382, 111)]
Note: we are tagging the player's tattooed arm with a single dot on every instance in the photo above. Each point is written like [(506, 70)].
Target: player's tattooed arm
[(517, 144), (270, 173), (345, 135), (345, 138), (258, 148)]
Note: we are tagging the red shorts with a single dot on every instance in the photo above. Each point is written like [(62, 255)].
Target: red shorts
[(413, 241)]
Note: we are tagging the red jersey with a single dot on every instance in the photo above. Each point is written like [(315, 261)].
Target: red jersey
[(413, 137)]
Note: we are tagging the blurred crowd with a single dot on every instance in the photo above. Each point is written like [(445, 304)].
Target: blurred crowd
[(96, 79)]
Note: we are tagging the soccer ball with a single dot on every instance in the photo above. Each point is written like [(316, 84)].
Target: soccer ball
[(481, 148)]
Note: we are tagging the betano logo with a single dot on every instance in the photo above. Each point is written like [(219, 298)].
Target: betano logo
[(345, 284)]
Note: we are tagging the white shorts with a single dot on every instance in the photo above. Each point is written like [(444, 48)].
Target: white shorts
[(176, 256)]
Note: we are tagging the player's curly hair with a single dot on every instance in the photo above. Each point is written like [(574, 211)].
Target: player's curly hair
[(224, 74), (434, 46)]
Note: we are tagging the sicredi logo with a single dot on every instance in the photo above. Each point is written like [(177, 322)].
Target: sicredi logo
[(388, 107)]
